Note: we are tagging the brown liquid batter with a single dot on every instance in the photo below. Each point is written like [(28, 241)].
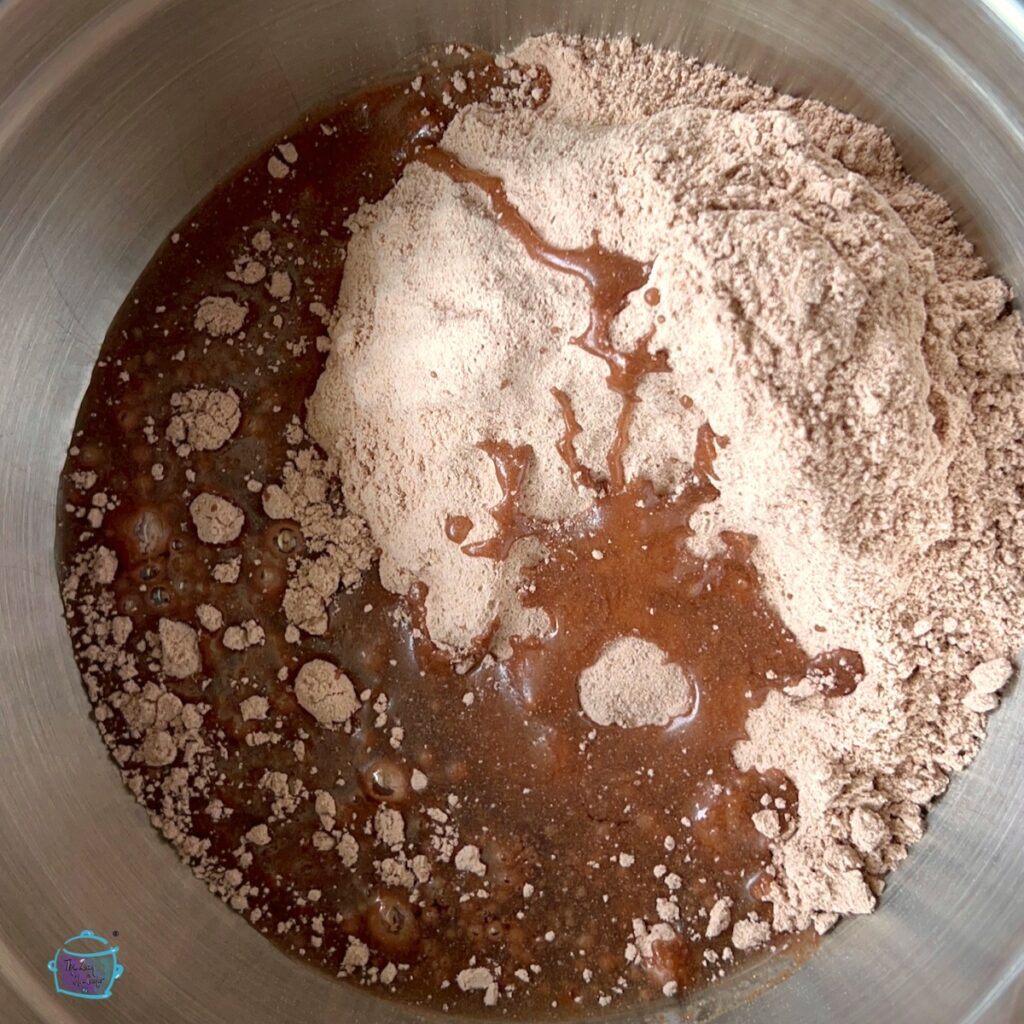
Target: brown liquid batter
[(510, 465), (458, 528), (580, 830), (567, 443)]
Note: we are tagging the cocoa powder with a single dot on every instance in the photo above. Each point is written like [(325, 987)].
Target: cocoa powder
[(819, 310)]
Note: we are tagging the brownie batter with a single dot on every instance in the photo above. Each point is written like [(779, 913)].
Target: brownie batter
[(451, 831)]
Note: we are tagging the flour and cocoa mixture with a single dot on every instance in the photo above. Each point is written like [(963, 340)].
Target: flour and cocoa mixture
[(590, 587)]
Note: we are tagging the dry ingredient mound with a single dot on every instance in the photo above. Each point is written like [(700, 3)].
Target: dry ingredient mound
[(819, 309), (632, 684)]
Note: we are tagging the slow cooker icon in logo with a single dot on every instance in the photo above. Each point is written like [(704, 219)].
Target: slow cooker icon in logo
[(86, 967)]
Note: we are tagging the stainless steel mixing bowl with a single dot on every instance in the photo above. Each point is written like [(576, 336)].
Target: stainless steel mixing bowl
[(115, 117)]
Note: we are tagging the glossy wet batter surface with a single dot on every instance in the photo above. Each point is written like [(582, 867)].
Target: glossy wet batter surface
[(469, 837)]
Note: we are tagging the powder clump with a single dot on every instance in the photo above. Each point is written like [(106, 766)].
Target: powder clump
[(217, 520), (326, 693), (179, 649), (220, 315), (338, 546), (203, 419), (632, 684)]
